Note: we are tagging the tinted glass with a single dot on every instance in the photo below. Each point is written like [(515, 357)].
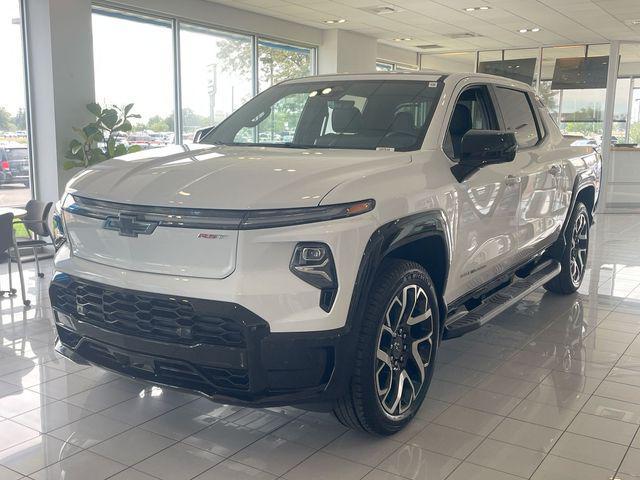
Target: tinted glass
[(518, 115), (280, 61), (470, 113), (215, 76), (366, 114)]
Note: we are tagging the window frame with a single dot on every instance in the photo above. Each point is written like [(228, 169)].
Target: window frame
[(176, 22), (542, 133), (496, 120)]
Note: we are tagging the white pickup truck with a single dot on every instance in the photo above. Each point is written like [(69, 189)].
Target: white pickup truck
[(323, 270)]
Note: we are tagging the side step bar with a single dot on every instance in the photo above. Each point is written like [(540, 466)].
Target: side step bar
[(497, 303)]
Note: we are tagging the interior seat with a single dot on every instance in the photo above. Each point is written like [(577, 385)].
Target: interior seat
[(461, 123), (346, 119), (402, 132)]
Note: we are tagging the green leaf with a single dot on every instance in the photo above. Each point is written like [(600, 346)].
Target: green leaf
[(75, 146), (95, 108), (109, 118), (123, 127), (96, 156), (128, 108), (120, 150), (111, 147), (68, 165), (81, 132), (134, 148), (90, 130)]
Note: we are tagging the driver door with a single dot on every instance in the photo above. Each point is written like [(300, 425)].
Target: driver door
[(488, 200)]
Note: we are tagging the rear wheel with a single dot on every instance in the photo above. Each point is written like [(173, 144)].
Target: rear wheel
[(395, 351), (574, 256)]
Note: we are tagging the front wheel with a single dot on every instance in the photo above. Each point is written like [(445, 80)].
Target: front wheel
[(395, 351), (574, 256)]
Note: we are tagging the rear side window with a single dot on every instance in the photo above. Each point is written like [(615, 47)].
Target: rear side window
[(518, 115)]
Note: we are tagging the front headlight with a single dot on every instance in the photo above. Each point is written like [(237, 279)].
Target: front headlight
[(313, 263), (57, 232)]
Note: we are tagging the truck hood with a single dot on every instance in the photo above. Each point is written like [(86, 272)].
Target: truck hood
[(228, 177)]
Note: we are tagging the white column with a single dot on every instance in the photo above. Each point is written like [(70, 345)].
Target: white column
[(342, 51), (609, 106), (60, 63)]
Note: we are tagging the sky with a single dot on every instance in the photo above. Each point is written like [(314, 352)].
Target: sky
[(133, 63), (12, 95)]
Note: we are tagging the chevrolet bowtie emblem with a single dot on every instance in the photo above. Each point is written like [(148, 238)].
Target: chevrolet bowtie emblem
[(128, 225)]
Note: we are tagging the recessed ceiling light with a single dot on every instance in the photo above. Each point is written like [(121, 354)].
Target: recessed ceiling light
[(528, 30), (335, 20), (475, 9), (635, 22)]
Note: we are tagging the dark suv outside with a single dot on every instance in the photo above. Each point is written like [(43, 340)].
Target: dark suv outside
[(14, 164)]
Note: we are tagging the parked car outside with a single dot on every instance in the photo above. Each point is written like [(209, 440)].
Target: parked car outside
[(14, 164)]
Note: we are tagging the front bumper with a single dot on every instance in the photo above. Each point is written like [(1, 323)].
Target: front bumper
[(219, 349)]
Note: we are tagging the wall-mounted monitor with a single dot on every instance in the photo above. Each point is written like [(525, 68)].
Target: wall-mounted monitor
[(520, 69), (580, 73)]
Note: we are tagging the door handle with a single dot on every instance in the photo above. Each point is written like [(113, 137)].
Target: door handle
[(511, 180), (555, 170)]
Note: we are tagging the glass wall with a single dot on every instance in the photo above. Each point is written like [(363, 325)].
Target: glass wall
[(573, 85), (215, 75), (14, 142), (520, 64), (626, 126), (279, 61), (133, 63), (449, 62), (384, 66), (135, 58)]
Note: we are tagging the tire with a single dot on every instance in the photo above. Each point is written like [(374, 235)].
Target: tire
[(574, 255), (403, 335)]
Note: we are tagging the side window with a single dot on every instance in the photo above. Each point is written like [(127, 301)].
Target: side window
[(473, 111), (518, 115)]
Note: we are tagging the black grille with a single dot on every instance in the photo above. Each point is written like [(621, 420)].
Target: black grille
[(155, 317), (167, 371)]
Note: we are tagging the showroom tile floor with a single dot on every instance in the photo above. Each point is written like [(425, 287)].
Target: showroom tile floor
[(550, 390)]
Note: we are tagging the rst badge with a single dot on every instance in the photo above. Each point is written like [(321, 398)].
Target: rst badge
[(210, 236)]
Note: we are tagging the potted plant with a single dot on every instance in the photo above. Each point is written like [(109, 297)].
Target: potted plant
[(98, 138)]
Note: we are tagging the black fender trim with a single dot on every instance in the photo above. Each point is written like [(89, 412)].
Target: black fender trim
[(581, 182), (384, 241)]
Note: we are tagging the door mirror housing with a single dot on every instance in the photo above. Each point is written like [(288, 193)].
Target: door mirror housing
[(484, 147)]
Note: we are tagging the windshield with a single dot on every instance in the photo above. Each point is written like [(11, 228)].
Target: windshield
[(356, 114)]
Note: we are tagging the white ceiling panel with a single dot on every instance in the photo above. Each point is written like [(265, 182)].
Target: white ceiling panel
[(429, 21)]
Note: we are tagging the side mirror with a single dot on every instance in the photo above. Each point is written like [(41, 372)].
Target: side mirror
[(202, 132), (484, 147)]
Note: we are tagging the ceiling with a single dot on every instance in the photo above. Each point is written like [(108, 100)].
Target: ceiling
[(431, 21)]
